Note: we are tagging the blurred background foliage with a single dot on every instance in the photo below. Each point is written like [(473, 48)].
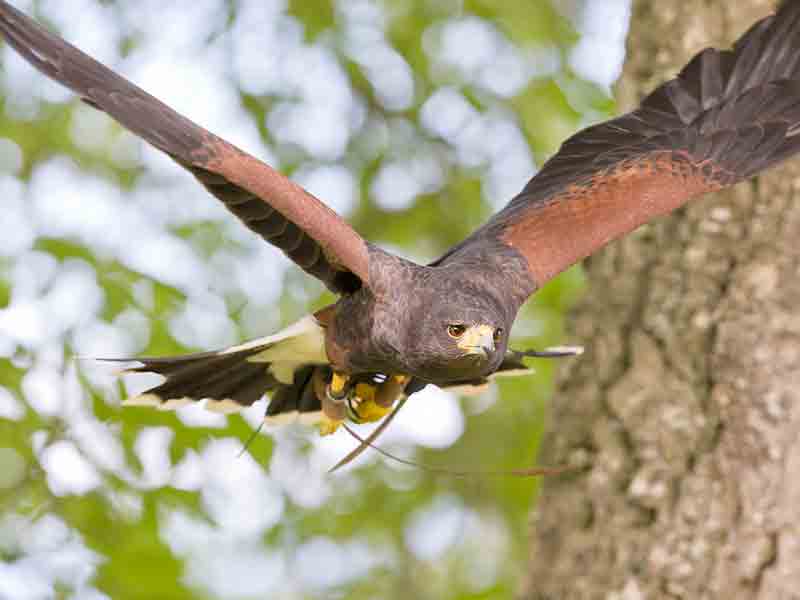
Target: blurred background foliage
[(414, 118)]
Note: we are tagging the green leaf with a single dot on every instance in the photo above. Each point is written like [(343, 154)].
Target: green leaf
[(315, 15)]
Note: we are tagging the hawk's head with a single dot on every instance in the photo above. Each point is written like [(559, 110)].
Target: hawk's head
[(456, 341), (441, 324)]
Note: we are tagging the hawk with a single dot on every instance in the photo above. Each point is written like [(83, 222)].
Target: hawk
[(398, 326)]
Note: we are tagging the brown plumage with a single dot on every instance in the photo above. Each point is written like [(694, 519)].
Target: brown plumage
[(727, 116), (621, 198), (282, 212), (397, 326)]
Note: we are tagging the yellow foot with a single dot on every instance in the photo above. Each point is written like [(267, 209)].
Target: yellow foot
[(337, 389), (365, 406), (328, 426)]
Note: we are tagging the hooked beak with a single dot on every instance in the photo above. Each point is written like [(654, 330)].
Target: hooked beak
[(478, 339)]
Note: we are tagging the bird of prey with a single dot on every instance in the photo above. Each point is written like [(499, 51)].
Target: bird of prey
[(396, 326)]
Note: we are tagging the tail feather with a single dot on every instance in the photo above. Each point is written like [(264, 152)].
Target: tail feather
[(192, 372), (234, 378), (206, 375), (245, 383), (298, 401)]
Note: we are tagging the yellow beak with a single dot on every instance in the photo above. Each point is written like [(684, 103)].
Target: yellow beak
[(478, 339)]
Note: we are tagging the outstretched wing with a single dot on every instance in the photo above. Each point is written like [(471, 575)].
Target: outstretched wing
[(727, 116), (281, 212)]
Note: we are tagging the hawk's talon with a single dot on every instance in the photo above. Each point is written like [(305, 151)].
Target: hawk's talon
[(352, 410), (363, 405), (328, 426), (362, 402), (336, 390), (371, 411)]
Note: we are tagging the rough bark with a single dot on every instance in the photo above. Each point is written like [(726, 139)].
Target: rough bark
[(685, 410)]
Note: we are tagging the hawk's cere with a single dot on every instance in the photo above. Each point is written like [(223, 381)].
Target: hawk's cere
[(398, 325)]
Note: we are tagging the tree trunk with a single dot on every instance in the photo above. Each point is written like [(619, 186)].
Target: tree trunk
[(685, 410)]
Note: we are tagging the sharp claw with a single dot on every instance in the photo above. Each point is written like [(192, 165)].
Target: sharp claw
[(363, 405), (352, 410), (362, 402)]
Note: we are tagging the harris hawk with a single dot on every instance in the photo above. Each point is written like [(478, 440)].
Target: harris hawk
[(397, 325)]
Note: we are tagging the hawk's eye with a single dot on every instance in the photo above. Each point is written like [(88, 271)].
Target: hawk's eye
[(456, 330), (498, 334)]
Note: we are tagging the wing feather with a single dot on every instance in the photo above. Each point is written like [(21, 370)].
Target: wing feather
[(727, 116), (271, 205)]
